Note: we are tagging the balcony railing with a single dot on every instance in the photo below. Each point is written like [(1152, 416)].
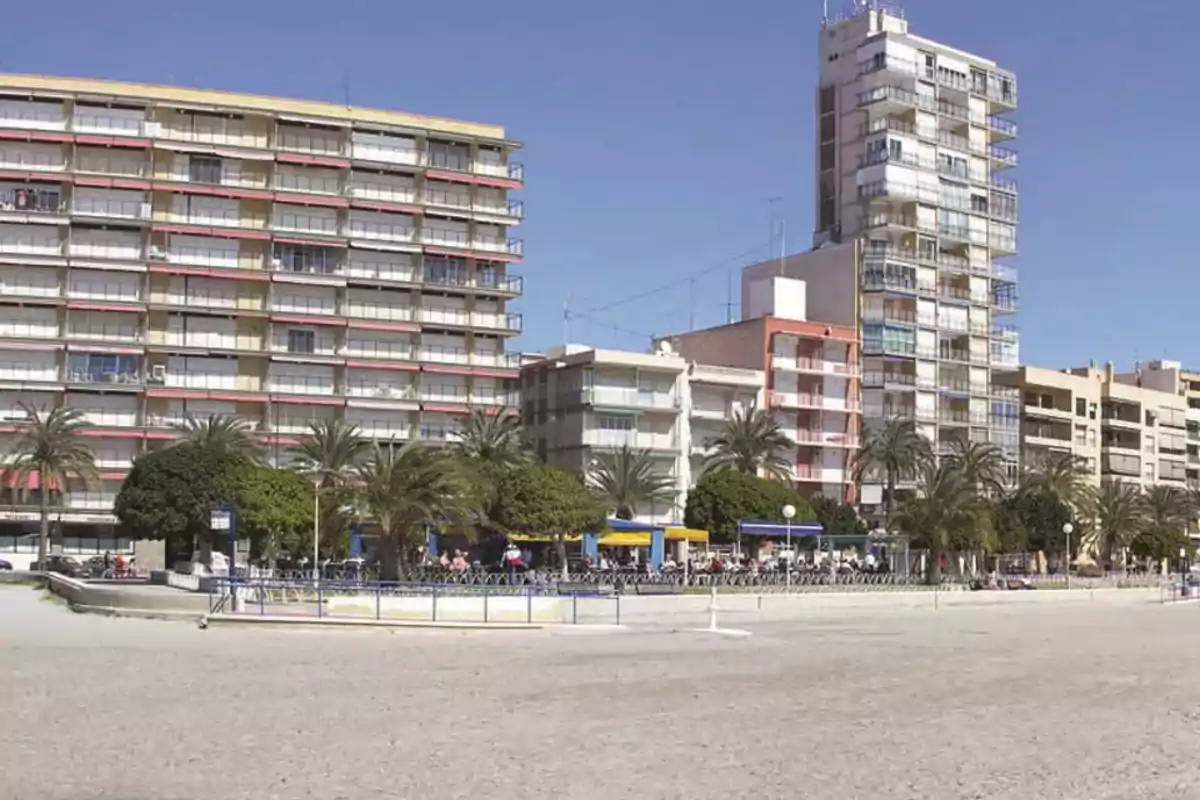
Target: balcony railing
[(31, 201), (618, 396)]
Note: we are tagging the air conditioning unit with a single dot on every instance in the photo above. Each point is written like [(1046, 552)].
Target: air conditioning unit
[(158, 373)]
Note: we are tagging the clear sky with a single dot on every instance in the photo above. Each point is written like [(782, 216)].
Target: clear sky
[(656, 131)]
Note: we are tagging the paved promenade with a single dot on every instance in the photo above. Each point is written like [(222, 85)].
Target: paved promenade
[(1064, 700)]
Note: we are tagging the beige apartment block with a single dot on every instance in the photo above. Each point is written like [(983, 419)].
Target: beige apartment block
[(915, 223), (167, 252), (580, 402), (1121, 428)]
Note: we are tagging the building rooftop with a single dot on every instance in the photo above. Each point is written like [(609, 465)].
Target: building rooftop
[(208, 99)]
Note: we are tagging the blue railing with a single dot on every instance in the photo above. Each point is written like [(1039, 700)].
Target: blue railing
[(414, 601)]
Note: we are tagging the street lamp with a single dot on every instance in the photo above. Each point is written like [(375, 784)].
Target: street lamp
[(1067, 530), (789, 511)]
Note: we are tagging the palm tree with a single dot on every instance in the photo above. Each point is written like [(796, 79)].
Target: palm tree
[(1118, 509), (493, 437), (944, 510), (1063, 476), (1166, 513), (329, 454), (407, 489), (982, 465), (751, 441), (52, 448), (897, 451), (222, 435), (627, 478)]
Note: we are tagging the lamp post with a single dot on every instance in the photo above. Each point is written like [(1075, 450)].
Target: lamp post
[(316, 532), (1067, 530), (789, 511)]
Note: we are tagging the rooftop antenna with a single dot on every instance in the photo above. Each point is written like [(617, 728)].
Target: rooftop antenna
[(729, 298), (346, 89), (692, 304), (567, 320)]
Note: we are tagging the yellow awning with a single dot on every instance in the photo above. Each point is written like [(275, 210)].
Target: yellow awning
[(625, 539), (529, 537), (685, 535)]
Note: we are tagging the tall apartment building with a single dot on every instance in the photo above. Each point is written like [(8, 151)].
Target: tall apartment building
[(167, 252), (1170, 376), (811, 376), (911, 198), (1130, 427)]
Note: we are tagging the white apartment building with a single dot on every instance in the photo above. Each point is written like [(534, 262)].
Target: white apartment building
[(910, 163), (578, 402), (167, 252)]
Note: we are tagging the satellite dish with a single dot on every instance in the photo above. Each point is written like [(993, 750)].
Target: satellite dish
[(664, 348)]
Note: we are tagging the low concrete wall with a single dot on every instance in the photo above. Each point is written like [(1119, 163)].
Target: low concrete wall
[(138, 600), (495, 608)]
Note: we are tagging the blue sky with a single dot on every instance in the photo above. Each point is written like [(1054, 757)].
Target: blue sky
[(656, 131)]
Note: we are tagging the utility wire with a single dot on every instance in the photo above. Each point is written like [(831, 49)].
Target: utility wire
[(677, 282)]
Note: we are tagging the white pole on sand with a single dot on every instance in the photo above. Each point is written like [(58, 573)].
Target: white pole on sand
[(712, 608)]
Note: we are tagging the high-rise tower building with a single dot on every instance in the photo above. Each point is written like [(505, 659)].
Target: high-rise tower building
[(167, 252), (915, 219)]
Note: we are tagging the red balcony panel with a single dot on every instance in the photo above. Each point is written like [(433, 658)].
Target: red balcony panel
[(113, 183), (220, 233), (212, 191), (496, 373), (238, 397), (481, 255), (308, 400), (287, 440), (387, 365), (161, 435), (446, 408), (481, 180), (105, 348), (204, 272), (111, 433), (113, 141), (449, 369), (312, 200), (33, 176), (397, 208), (80, 306), (402, 327), (334, 321), (316, 161), (177, 394), (308, 242), (36, 136)]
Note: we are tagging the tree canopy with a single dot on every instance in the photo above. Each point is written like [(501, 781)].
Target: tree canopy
[(720, 499), (171, 492), (274, 508), (536, 499), (751, 440)]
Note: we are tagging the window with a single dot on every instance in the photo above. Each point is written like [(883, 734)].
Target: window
[(306, 258), (1091, 437), (97, 368), (204, 169), (452, 271), (979, 204), (1080, 407), (301, 341), (614, 423), (1081, 434)]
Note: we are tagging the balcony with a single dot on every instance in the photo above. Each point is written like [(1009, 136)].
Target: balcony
[(822, 438), (876, 280), (899, 191), (629, 398), (610, 439), (1002, 157), (891, 98), (1004, 303), (1001, 244), (813, 401), (889, 347), (813, 365), (30, 202)]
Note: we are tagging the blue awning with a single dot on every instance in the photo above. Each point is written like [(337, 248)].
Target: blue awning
[(750, 527)]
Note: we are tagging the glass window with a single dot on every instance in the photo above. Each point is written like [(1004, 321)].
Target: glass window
[(204, 169), (301, 341)]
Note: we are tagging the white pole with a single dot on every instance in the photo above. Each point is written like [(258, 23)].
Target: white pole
[(787, 564), (316, 534)]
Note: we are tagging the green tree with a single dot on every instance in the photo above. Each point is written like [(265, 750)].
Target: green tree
[(1031, 518), (1165, 516), (720, 499), (838, 519), (50, 448), (540, 500), (626, 479), (229, 437), (751, 441), (171, 493), (944, 513), (407, 489), (895, 452), (272, 508), (493, 437), (1118, 511)]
